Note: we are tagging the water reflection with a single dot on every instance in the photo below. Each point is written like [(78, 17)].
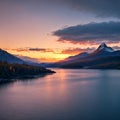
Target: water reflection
[(4, 82), (66, 95)]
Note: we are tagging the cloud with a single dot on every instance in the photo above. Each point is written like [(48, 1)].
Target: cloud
[(116, 47), (20, 49), (74, 51), (101, 8), (90, 33), (41, 49), (32, 49)]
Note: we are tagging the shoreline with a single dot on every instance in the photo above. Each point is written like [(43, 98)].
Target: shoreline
[(25, 77)]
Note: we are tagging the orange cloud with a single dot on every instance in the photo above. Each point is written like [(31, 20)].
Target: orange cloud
[(46, 54), (41, 49), (27, 49), (74, 51)]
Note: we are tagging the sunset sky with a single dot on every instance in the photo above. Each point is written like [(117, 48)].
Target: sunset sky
[(51, 30)]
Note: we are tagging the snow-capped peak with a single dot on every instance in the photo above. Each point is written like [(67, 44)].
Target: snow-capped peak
[(104, 47)]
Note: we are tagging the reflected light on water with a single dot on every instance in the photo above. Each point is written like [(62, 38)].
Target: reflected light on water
[(67, 95)]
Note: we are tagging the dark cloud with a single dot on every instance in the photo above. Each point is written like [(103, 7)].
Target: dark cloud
[(102, 8), (41, 49), (32, 49), (91, 33)]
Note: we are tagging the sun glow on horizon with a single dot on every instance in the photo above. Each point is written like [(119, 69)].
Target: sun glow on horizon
[(40, 56), (49, 31), (49, 54)]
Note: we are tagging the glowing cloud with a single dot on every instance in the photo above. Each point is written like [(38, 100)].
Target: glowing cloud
[(90, 33)]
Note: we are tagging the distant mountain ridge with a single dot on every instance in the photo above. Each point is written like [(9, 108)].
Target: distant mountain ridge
[(103, 57), (9, 58), (12, 67)]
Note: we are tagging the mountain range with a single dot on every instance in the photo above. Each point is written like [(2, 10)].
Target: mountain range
[(12, 67), (104, 57), (9, 58)]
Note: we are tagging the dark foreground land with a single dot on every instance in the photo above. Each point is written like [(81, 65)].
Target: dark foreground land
[(11, 71)]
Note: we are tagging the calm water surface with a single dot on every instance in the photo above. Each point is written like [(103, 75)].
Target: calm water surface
[(66, 95)]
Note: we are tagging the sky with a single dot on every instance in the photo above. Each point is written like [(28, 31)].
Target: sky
[(51, 30)]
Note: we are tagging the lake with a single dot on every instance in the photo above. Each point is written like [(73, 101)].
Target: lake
[(66, 95)]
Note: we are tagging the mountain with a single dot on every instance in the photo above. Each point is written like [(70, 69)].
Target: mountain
[(79, 56), (14, 67), (7, 57), (104, 47), (104, 57)]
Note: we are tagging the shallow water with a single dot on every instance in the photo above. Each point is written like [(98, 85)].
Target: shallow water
[(67, 95)]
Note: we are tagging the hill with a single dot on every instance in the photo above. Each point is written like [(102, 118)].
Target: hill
[(13, 71), (103, 57)]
